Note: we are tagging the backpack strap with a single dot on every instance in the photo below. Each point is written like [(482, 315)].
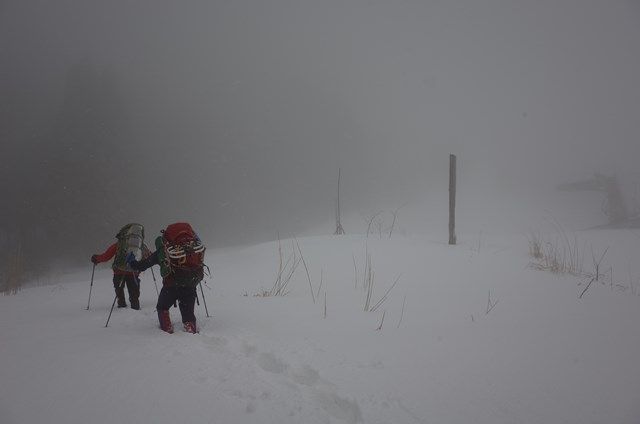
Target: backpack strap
[(163, 260)]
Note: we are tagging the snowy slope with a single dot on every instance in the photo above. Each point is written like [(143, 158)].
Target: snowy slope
[(541, 355)]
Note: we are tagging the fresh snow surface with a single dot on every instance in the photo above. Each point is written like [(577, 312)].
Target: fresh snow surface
[(540, 355)]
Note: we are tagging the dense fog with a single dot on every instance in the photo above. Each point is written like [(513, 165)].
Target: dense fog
[(237, 115)]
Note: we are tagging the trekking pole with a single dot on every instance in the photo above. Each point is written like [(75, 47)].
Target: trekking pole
[(204, 300), (114, 302), (91, 286), (154, 281)]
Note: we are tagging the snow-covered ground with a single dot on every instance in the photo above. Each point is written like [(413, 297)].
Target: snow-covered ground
[(540, 355)]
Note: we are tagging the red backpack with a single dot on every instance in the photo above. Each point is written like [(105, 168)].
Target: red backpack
[(183, 254)]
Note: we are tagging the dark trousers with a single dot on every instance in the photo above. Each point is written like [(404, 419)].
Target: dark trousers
[(133, 287), (186, 297)]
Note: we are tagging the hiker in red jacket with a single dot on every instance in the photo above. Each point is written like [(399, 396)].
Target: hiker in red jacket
[(130, 239)]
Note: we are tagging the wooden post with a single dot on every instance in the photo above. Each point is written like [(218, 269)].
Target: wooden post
[(452, 199), (339, 229)]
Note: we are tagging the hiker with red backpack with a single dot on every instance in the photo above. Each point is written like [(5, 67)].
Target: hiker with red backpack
[(180, 254), (130, 240)]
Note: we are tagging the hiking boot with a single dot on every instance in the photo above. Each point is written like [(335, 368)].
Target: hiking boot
[(190, 327), (165, 321), (135, 304), (122, 303)]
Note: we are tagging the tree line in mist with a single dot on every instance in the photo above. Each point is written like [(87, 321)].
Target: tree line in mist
[(73, 184)]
